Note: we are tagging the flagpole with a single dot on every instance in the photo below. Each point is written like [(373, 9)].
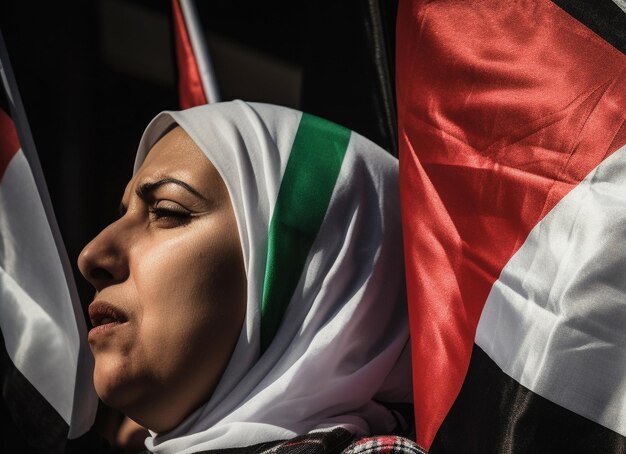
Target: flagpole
[(198, 43)]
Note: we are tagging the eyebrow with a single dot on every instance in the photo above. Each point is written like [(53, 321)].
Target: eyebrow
[(145, 189)]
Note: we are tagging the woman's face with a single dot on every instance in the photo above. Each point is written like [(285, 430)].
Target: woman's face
[(171, 288)]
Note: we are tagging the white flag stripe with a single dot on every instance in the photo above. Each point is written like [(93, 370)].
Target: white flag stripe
[(555, 321), (41, 336), (200, 50)]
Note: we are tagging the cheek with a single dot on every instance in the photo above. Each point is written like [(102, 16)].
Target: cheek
[(188, 281), (192, 312), (187, 296)]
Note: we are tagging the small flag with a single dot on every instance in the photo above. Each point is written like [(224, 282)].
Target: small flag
[(196, 81), (46, 366), (512, 131)]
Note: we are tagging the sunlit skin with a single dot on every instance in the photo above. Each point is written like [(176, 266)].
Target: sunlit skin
[(171, 288)]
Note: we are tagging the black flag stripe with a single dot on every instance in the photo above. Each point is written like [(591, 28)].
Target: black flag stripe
[(604, 17), (495, 414)]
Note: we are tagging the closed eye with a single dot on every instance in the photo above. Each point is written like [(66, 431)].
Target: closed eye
[(169, 212)]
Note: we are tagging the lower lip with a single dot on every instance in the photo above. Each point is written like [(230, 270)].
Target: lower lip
[(102, 329)]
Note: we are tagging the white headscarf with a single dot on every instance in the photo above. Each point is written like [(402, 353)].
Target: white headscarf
[(339, 346)]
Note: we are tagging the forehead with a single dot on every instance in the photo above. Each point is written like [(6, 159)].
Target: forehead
[(175, 150), (176, 155)]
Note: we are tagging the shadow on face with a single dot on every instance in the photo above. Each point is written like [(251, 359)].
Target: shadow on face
[(171, 288)]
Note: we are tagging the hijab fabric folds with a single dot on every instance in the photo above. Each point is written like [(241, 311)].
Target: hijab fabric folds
[(325, 334)]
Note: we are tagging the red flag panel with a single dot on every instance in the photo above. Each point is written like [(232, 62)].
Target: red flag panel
[(9, 143)]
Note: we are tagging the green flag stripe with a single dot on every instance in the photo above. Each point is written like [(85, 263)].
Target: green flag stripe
[(312, 170)]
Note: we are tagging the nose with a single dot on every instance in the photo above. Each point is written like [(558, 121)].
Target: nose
[(104, 261)]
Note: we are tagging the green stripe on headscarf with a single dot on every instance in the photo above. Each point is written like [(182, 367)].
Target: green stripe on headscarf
[(310, 176)]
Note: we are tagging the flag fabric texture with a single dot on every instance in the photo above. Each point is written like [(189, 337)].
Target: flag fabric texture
[(513, 187), (196, 81), (47, 392)]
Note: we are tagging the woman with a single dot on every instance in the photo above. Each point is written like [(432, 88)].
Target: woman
[(257, 295)]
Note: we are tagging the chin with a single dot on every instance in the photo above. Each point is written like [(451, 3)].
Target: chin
[(112, 382), (118, 388)]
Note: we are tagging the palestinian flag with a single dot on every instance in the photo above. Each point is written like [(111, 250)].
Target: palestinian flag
[(47, 394), (196, 81), (513, 184)]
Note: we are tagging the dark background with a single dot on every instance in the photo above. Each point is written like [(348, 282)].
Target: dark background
[(92, 74)]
